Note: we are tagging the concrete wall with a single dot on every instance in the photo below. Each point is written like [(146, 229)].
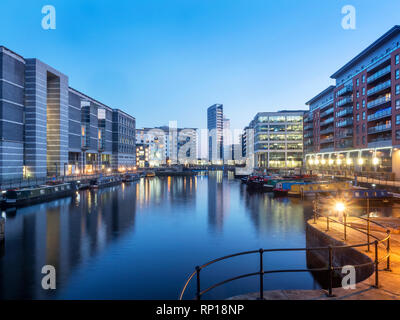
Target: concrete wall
[(341, 257)]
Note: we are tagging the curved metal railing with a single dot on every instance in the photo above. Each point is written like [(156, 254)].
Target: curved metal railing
[(330, 269)]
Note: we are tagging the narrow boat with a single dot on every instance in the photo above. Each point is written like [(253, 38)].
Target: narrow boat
[(129, 177), (282, 188), (32, 195), (321, 187), (103, 182), (254, 183), (150, 174)]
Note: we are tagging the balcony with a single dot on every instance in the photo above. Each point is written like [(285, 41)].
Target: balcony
[(345, 112), (344, 90), (344, 123), (380, 128), (379, 63), (327, 121), (327, 130), (378, 102), (308, 142), (344, 101), (345, 134), (379, 88), (326, 140), (379, 74), (326, 113), (308, 126), (380, 114), (308, 135)]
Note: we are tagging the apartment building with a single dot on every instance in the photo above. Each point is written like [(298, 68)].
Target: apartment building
[(215, 126), (363, 110), (48, 128)]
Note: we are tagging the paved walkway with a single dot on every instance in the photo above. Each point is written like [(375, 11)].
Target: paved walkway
[(389, 281)]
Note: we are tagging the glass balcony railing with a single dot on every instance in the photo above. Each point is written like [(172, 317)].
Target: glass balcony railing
[(327, 121), (380, 114), (326, 140), (308, 126), (344, 101), (344, 90), (379, 63), (379, 74), (308, 135), (326, 113), (379, 88), (327, 130), (345, 123), (378, 102), (380, 128), (345, 112), (345, 134)]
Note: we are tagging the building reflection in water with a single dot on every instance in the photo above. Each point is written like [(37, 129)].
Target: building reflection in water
[(271, 214), (62, 233), (218, 201)]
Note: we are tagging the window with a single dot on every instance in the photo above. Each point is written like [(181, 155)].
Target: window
[(364, 115), (363, 139), (397, 104), (358, 117), (397, 134), (397, 59), (363, 91), (397, 88), (358, 106), (357, 129), (357, 82), (363, 128), (398, 119), (363, 104), (397, 74), (363, 78), (358, 94)]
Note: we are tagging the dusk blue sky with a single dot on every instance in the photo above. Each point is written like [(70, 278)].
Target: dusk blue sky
[(164, 60)]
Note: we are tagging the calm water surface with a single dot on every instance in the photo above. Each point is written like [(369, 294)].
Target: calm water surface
[(142, 240)]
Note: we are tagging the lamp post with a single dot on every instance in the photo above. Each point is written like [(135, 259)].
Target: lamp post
[(340, 208)]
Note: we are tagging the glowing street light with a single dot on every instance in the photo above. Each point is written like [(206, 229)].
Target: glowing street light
[(360, 161), (340, 207), (375, 161), (323, 161), (348, 162)]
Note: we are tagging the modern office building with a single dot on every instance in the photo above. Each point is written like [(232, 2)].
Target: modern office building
[(48, 128), (215, 126), (356, 128), (278, 139), (157, 139), (123, 139)]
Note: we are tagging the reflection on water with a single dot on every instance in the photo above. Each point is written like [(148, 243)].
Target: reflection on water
[(141, 240)]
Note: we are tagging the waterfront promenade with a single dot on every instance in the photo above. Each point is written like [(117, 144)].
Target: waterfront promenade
[(389, 281)]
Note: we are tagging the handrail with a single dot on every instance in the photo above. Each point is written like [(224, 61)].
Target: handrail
[(329, 269)]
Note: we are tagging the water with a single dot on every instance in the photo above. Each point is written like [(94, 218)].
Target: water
[(142, 240)]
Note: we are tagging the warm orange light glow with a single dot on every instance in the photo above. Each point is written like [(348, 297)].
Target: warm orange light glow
[(340, 207)]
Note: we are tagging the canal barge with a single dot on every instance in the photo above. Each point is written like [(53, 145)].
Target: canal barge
[(130, 177), (103, 182), (28, 196)]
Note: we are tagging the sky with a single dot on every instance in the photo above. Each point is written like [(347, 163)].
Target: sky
[(165, 60)]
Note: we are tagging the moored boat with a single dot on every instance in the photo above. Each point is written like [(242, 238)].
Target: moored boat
[(103, 182), (32, 195), (150, 174), (130, 177)]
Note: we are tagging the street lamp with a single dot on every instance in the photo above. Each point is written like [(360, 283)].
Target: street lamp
[(341, 209)]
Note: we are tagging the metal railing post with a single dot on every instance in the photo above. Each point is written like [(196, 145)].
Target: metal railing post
[(327, 223), (388, 251), (376, 265), (368, 225), (198, 297), (261, 275), (330, 270)]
